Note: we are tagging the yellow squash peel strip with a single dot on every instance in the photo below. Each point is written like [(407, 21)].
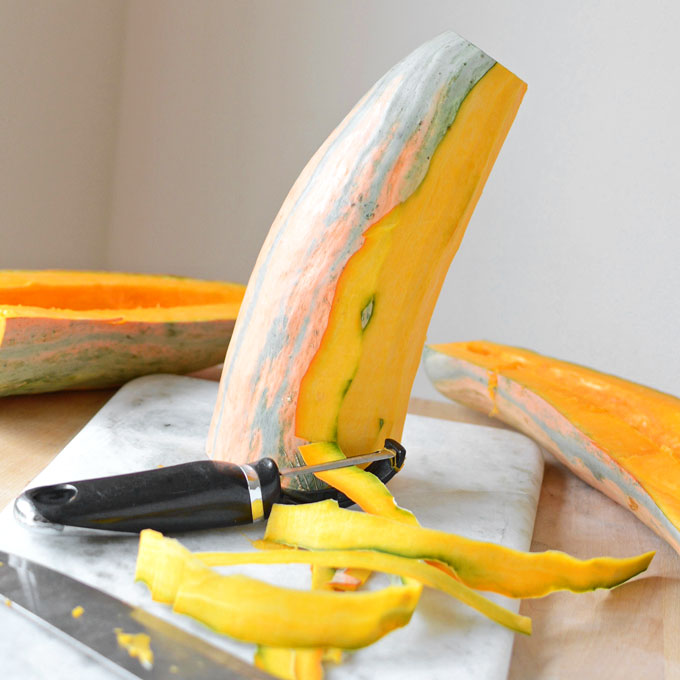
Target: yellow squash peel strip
[(365, 489), (480, 565), (255, 611)]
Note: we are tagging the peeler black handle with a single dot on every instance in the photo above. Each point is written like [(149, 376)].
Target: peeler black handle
[(197, 495)]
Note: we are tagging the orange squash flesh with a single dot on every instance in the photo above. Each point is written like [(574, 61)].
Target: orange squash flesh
[(76, 330), (620, 437), (106, 295)]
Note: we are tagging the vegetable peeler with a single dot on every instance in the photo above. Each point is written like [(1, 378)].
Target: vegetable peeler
[(186, 497)]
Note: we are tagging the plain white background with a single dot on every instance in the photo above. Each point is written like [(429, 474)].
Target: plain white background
[(162, 136)]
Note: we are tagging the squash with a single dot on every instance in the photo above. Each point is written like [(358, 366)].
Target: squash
[(137, 645), (619, 437), (78, 330), (330, 333)]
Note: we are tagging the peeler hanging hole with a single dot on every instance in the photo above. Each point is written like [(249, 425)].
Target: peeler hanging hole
[(57, 494)]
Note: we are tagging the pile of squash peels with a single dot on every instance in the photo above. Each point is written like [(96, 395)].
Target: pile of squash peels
[(297, 631)]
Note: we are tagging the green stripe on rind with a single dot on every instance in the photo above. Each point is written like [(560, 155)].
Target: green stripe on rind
[(45, 355)]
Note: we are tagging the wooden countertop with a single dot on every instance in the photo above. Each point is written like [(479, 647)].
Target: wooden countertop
[(630, 632)]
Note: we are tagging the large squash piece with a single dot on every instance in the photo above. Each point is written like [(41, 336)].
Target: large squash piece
[(73, 329), (620, 437), (330, 333)]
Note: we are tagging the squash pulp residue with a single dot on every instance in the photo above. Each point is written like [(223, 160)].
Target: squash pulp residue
[(138, 646)]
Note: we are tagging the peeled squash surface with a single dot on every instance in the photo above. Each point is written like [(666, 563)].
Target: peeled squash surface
[(77, 330), (620, 437), (479, 565)]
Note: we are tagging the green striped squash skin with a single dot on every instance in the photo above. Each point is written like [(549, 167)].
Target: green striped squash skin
[(49, 354)]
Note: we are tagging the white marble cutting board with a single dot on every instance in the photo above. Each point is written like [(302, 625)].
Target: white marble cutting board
[(477, 481)]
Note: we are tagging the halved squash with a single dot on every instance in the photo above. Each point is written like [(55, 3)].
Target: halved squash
[(332, 326), (619, 437), (72, 329)]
